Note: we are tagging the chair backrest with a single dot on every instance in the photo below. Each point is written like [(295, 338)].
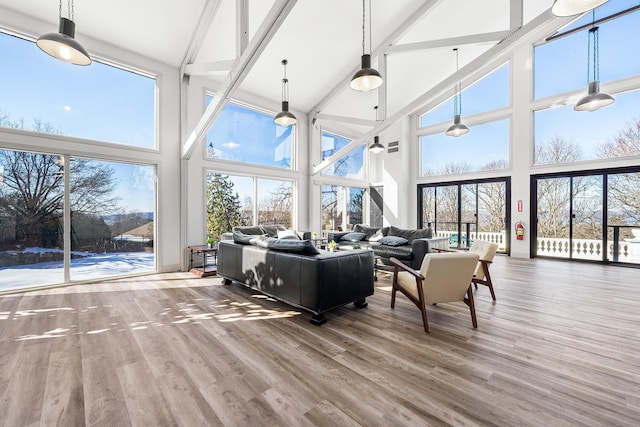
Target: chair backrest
[(486, 251), (447, 275)]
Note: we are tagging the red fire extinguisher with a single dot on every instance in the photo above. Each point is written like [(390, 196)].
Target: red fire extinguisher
[(519, 230)]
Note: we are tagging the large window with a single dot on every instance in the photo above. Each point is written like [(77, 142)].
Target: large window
[(342, 207), (486, 147), (351, 165), (247, 200), (99, 102), (563, 135), (246, 135), (111, 216)]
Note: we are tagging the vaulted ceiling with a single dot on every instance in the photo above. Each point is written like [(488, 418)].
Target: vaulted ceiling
[(322, 40)]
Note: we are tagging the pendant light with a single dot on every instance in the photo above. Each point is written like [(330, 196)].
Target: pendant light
[(285, 118), (376, 147), (366, 78), (574, 7), (62, 44), (594, 99), (457, 128)]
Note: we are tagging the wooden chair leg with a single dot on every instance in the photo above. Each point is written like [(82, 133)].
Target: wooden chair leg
[(422, 305), (472, 307), (490, 284)]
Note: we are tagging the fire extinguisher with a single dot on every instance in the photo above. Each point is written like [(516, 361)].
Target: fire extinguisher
[(519, 230)]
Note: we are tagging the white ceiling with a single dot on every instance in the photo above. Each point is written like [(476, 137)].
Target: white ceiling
[(321, 39)]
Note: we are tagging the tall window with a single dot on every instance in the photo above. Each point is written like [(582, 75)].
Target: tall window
[(112, 218), (246, 135), (563, 135), (351, 165), (486, 147), (342, 207), (247, 200), (99, 102)]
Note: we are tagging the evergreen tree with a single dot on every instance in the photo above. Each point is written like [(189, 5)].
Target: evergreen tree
[(223, 205)]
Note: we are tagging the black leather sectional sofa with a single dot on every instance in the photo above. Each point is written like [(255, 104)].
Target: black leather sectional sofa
[(295, 272)]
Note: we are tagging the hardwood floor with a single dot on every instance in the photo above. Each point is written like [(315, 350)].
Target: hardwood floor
[(561, 347)]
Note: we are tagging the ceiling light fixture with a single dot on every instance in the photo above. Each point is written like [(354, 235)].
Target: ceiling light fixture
[(285, 118), (366, 78), (376, 147), (594, 99), (457, 128), (574, 7), (62, 45)]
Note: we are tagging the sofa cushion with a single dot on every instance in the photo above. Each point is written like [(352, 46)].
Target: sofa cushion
[(272, 230), (379, 234), (410, 235), (403, 253), (248, 229), (368, 231), (245, 239), (353, 237), (288, 234), (393, 241), (305, 247)]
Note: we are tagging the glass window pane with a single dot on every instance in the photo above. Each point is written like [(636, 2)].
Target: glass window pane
[(331, 211), (98, 102), (563, 135), (354, 208), (616, 38), (276, 202), (349, 166), (486, 147), (112, 218), (623, 216), (490, 93), (241, 134), (229, 203), (31, 222)]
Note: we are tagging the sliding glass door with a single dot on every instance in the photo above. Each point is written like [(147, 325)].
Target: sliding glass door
[(466, 211)]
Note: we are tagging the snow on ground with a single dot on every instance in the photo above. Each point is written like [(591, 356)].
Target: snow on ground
[(94, 266)]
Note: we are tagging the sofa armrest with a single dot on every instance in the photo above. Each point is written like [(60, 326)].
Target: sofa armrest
[(419, 247), (304, 235)]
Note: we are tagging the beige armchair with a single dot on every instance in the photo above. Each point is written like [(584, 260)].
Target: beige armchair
[(486, 251), (443, 277)]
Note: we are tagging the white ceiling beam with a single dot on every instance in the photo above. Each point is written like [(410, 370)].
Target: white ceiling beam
[(516, 14), (272, 22), (208, 68), (401, 30), (197, 38), (483, 38), (343, 119), (536, 29), (337, 155), (242, 26)]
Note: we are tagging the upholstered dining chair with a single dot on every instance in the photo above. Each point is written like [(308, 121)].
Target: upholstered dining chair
[(443, 277)]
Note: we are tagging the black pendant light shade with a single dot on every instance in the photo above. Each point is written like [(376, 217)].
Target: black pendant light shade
[(376, 147), (285, 117), (366, 78), (457, 128), (62, 45), (594, 99), (574, 7)]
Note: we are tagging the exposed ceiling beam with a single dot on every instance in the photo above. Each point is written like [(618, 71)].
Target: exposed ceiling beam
[(516, 14), (208, 68), (483, 38), (536, 29), (272, 22), (402, 29), (242, 26), (344, 119), (197, 38)]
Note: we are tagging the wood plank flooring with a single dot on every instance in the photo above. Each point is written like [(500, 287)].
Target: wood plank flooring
[(561, 347)]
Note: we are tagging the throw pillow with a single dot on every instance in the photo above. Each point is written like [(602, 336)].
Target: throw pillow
[(377, 235), (393, 241), (353, 237), (245, 239), (287, 234), (288, 245)]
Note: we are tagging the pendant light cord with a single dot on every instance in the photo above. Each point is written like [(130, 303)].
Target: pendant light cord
[(370, 37), (69, 9), (285, 81), (457, 100), (363, 23), (593, 33)]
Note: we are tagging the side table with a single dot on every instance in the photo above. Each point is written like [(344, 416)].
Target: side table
[(207, 254)]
